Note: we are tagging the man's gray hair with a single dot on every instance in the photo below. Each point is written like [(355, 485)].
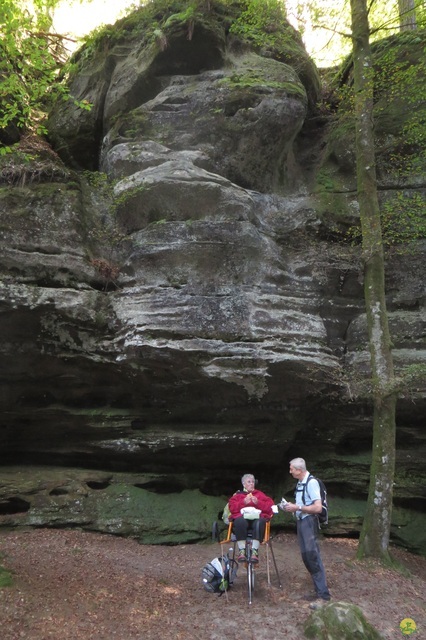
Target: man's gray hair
[(245, 477), (298, 463)]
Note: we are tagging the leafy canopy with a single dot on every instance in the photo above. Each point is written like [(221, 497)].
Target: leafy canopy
[(31, 58), (325, 25)]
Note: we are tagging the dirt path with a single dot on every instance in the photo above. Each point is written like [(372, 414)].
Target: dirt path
[(71, 585)]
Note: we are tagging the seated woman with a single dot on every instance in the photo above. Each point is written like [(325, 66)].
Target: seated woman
[(249, 497)]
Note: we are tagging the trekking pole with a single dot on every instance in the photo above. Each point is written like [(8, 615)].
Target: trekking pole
[(225, 563), (276, 568)]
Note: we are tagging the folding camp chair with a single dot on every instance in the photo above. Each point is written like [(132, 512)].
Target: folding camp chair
[(250, 565)]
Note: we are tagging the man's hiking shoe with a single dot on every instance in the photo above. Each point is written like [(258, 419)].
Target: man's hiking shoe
[(310, 597), (255, 556), (241, 555)]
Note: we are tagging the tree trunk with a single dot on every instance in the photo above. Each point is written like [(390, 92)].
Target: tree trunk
[(407, 15), (375, 533)]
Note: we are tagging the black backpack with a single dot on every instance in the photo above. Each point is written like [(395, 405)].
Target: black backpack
[(323, 516), (218, 575)]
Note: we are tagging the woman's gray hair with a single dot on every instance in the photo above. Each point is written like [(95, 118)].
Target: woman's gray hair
[(298, 463), (245, 477)]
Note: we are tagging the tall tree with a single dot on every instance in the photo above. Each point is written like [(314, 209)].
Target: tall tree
[(375, 533), (407, 15)]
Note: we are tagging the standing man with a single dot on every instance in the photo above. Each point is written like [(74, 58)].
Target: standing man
[(307, 528)]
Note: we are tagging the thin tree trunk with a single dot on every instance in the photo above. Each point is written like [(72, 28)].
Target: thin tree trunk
[(407, 15), (375, 533)]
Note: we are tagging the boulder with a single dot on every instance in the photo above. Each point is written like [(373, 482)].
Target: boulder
[(340, 621)]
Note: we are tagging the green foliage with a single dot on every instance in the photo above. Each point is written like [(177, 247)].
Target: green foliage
[(400, 134), (5, 578), (326, 25), (107, 240), (105, 233), (409, 382), (261, 23), (325, 181), (400, 97), (31, 59), (413, 375), (99, 181), (403, 221), (182, 17), (150, 23)]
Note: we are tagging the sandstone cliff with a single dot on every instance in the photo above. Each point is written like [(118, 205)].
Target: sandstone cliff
[(179, 299)]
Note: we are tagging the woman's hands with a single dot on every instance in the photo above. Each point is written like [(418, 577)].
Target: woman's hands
[(250, 498)]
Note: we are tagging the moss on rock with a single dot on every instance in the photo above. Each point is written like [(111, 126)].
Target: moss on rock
[(340, 621), (156, 518)]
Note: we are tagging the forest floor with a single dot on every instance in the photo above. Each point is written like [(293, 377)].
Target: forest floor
[(74, 585)]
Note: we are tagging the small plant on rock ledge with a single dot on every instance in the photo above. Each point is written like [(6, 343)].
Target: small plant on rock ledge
[(108, 271), (31, 160), (106, 239)]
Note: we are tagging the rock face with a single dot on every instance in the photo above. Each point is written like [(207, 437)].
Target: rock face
[(177, 303)]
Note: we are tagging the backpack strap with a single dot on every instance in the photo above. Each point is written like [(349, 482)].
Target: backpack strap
[(305, 488)]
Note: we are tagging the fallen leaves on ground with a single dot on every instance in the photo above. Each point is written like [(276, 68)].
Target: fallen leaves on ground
[(75, 585)]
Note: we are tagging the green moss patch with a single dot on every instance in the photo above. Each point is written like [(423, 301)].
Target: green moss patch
[(5, 578), (340, 621), (157, 518)]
